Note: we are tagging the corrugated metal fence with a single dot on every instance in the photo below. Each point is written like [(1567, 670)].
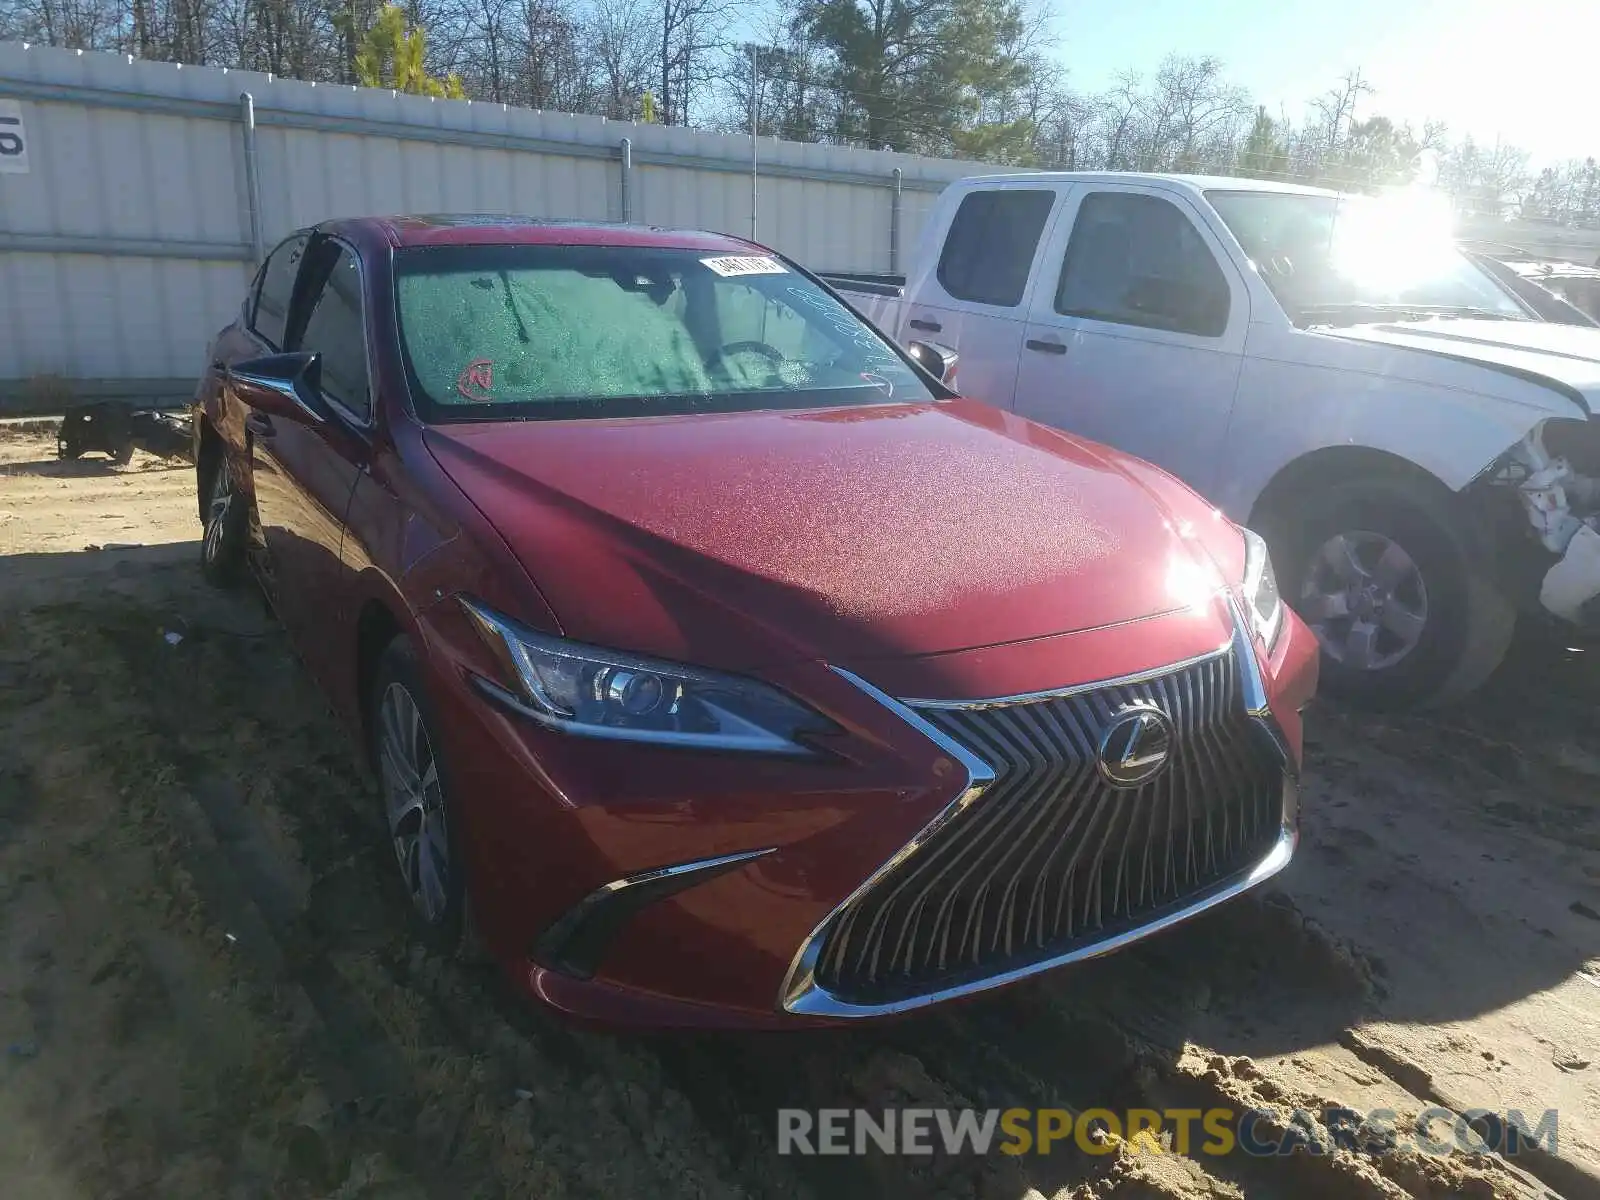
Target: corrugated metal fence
[(135, 198)]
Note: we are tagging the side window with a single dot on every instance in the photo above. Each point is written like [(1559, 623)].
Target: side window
[(1138, 260), (334, 328), (991, 243), (271, 312)]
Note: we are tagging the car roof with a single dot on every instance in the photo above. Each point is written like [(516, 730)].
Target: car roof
[(490, 229), (1191, 183)]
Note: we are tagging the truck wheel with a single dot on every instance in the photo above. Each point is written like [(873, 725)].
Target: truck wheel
[(1377, 570)]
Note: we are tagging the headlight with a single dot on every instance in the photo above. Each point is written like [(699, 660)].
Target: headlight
[(1261, 590), (592, 692)]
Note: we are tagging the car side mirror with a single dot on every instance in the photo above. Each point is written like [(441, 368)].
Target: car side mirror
[(938, 361), (281, 385)]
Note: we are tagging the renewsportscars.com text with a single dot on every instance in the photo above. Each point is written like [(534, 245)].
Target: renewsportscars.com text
[(1214, 1131)]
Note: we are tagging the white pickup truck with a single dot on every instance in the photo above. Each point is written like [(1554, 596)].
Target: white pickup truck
[(1413, 441)]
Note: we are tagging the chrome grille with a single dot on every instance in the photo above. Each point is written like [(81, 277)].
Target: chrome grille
[(1051, 856)]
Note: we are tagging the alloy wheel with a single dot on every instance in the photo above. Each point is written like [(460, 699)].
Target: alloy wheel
[(1364, 597), (414, 803), (218, 505)]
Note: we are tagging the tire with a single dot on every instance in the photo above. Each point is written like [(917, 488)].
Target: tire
[(225, 540), (419, 810), (1424, 627)]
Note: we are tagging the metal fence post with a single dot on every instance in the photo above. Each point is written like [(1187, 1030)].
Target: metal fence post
[(894, 222), (755, 117), (252, 175), (627, 181)]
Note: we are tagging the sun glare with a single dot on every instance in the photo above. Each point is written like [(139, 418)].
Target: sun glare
[(1391, 242)]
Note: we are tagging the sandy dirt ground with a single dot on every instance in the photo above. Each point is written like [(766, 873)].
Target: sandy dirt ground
[(207, 989)]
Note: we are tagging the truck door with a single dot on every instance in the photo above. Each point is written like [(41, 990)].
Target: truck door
[(1136, 329), (971, 298)]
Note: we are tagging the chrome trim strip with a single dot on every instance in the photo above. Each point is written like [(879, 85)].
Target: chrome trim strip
[(801, 991), (271, 383), (558, 937), (816, 1001), (1253, 685), (686, 868), (803, 995), (282, 387), (1077, 688)]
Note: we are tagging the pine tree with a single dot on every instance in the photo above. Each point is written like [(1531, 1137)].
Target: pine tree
[(392, 55), (1264, 155)]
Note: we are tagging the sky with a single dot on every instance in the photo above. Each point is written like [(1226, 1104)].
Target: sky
[(1527, 71)]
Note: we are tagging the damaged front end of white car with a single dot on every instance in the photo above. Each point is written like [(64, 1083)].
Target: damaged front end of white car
[(1551, 539)]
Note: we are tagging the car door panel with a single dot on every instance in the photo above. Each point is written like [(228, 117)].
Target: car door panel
[(258, 330), (304, 473), (1124, 364)]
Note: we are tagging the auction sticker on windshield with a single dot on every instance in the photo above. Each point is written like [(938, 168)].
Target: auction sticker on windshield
[(745, 266)]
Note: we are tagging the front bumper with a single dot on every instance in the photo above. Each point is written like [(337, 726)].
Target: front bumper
[(1028, 824), (700, 889)]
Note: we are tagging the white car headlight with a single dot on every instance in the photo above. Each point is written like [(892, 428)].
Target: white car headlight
[(592, 692), (1261, 590)]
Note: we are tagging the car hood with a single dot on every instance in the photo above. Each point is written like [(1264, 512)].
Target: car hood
[(1566, 357), (842, 534)]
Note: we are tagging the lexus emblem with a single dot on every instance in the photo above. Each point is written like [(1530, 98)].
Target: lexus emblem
[(1135, 746)]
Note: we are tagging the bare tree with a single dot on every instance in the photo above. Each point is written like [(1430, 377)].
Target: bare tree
[(1116, 114), (551, 74), (1503, 177), (622, 45), (690, 35), (77, 24), (487, 64), (1336, 110)]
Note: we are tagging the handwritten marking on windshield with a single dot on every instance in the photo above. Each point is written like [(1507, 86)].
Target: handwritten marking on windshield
[(477, 381)]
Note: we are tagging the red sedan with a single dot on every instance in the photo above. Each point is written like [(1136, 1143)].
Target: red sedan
[(720, 665)]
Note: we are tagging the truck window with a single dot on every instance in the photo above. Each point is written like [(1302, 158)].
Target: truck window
[(1138, 260), (990, 246)]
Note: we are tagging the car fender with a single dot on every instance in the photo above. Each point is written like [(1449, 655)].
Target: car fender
[(1450, 418)]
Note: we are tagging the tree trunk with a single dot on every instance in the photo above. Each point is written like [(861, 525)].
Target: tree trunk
[(666, 62)]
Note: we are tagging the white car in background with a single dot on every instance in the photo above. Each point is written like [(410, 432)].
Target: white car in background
[(1416, 445)]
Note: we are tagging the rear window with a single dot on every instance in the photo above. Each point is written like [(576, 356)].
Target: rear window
[(989, 249), (555, 332)]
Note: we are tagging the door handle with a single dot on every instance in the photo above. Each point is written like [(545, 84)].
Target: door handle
[(1045, 347), (925, 326), (259, 424)]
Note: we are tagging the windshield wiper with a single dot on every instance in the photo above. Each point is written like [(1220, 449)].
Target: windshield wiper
[(1354, 312), (511, 303)]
